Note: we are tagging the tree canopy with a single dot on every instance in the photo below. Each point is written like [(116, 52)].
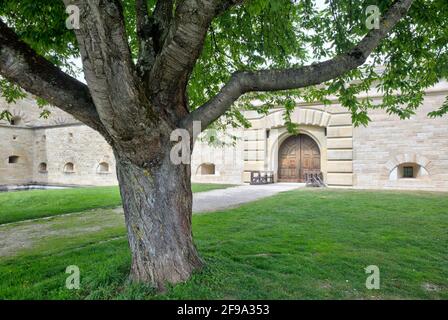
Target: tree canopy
[(274, 34)]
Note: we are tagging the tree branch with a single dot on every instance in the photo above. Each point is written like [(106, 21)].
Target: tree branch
[(162, 15), (151, 31), (20, 64), (185, 41), (294, 78), (146, 53), (108, 67)]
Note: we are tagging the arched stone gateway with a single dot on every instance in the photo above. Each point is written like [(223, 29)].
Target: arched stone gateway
[(297, 156)]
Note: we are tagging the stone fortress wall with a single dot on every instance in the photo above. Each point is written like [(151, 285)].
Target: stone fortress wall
[(39, 151), (372, 157), (61, 151), (388, 144)]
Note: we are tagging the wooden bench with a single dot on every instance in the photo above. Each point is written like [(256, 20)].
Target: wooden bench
[(261, 177)]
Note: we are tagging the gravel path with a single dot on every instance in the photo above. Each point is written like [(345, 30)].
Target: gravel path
[(232, 197), (18, 236)]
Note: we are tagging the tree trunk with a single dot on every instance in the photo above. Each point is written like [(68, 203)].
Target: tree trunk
[(157, 202)]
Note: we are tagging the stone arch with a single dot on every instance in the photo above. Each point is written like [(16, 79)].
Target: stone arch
[(286, 135), (301, 116), (298, 155), (410, 159), (316, 134), (407, 158)]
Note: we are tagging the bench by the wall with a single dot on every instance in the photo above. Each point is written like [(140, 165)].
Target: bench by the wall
[(261, 177)]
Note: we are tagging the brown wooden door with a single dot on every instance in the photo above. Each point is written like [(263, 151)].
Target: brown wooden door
[(297, 156), (310, 156), (289, 159)]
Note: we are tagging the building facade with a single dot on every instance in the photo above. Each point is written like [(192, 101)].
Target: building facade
[(388, 153)]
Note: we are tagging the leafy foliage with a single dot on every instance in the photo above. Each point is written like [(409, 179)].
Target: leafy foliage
[(441, 111), (279, 34), (11, 91)]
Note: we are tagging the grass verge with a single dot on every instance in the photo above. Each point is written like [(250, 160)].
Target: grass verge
[(24, 205), (304, 244)]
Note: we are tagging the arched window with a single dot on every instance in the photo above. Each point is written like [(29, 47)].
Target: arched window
[(43, 167), (69, 167), (103, 167), (207, 169), (13, 159), (15, 121), (408, 166)]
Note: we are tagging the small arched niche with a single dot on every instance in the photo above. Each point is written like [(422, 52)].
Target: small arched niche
[(42, 167), (408, 170), (103, 167), (13, 159), (69, 167), (408, 166), (207, 169)]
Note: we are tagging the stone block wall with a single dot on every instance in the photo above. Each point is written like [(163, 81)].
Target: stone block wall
[(226, 159), (388, 142), (339, 148), (55, 147), (16, 142), (363, 157), (77, 144), (330, 127), (29, 114)]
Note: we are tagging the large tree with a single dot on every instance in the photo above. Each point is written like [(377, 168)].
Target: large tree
[(152, 66)]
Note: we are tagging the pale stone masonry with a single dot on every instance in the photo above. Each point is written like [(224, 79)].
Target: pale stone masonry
[(55, 142), (388, 153), (388, 142)]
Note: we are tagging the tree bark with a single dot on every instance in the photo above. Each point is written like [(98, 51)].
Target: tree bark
[(157, 202)]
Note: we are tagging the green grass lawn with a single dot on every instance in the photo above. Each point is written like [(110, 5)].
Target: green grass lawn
[(304, 244), (22, 205)]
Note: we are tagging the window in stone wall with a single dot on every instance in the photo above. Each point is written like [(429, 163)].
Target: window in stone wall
[(13, 159), (207, 169), (103, 167), (408, 170), (69, 167), (42, 167)]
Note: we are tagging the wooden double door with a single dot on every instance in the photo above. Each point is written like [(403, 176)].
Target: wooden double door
[(298, 155)]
